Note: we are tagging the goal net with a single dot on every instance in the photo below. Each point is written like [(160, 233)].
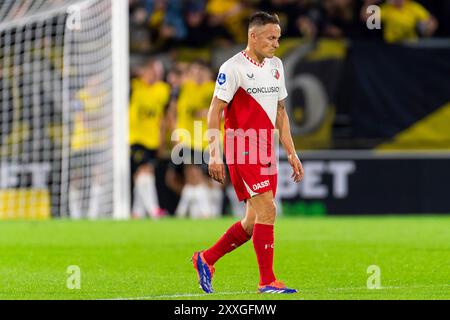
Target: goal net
[(63, 109)]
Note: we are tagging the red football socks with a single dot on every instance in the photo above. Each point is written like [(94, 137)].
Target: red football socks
[(263, 244), (233, 238)]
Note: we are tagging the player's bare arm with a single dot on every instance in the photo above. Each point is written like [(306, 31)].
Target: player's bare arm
[(171, 115), (216, 167), (282, 124), (165, 127)]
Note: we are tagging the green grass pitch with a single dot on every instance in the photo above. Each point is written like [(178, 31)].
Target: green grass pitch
[(323, 257)]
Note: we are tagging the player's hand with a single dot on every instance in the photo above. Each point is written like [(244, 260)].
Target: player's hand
[(297, 167), (216, 171)]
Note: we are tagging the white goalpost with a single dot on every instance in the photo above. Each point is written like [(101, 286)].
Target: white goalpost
[(64, 109)]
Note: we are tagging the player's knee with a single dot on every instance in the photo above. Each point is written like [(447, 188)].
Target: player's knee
[(145, 169), (267, 214), (248, 224)]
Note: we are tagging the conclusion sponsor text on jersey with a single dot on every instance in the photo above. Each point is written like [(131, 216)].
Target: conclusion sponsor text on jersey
[(263, 90)]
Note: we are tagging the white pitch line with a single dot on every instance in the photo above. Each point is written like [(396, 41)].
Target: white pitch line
[(182, 295), (395, 287)]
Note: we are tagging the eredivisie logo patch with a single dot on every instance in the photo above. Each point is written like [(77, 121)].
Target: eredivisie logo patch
[(221, 78)]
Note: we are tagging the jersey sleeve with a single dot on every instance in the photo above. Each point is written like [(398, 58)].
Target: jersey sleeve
[(166, 94), (283, 91), (133, 109), (227, 83), (420, 12)]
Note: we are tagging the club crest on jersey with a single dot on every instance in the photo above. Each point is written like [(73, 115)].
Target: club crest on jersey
[(222, 78), (276, 73)]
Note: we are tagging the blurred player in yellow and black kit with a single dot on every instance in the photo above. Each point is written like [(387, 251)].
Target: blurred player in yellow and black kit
[(200, 197), (87, 144), (148, 102)]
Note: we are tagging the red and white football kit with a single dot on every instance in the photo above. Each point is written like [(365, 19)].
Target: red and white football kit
[(252, 91)]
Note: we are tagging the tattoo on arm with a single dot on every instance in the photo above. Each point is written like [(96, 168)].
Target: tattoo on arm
[(280, 114), (282, 124)]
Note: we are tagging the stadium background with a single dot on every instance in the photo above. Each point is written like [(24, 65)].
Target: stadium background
[(370, 118), (369, 114), (369, 108)]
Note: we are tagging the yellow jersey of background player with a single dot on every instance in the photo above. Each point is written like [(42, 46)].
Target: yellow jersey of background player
[(193, 104), (148, 103), (147, 106)]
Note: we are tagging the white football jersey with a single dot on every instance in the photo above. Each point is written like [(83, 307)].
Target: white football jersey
[(252, 91)]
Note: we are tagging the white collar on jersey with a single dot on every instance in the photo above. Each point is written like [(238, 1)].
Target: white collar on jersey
[(253, 61)]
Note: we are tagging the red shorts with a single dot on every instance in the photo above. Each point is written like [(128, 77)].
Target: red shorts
[(251, 179)]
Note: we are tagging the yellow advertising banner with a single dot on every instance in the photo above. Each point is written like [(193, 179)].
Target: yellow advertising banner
[(26, 204)]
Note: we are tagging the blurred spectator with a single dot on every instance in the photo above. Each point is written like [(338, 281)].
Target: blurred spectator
[(342, 19), (332, 19), (232, 14), (197, 23), (403, 20), (163, 17), (162, 25), (288, 12), (139, 31)]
